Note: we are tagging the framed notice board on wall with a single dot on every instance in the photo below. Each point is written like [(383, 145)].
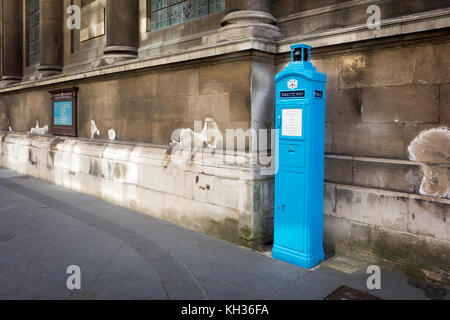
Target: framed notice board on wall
[(64, 112)]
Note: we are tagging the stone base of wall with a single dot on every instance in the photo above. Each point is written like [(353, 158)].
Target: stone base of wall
[(228, 201), (408, 233)]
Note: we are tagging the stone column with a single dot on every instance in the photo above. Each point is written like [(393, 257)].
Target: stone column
[(247, 18), (51, 37), (122, 30), (12, 63)]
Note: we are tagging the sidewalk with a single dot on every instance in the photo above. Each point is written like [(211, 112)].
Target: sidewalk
[(124, 254)]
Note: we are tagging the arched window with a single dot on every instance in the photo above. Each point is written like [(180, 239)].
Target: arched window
[(33, 38), (166, 13)]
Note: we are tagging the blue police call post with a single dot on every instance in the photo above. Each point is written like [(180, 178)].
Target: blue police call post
[(299, 180)]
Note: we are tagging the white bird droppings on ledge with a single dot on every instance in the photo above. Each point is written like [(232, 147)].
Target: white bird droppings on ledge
[(94, 130)]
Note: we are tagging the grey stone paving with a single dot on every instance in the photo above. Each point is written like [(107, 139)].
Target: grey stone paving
[(125, 254)]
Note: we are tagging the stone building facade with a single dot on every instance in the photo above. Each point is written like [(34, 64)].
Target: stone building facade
[(146, 68)]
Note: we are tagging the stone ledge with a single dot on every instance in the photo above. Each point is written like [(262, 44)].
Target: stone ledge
[(135, 65), (239, 166), (391, 193), (395, 211), (384, 174)]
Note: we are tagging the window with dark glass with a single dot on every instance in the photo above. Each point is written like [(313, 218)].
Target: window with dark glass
[(166, 13), (33, 38)]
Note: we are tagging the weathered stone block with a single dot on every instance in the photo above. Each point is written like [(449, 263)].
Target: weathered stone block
[(189, 184), (130, 108), (240, 107), (360, 237), (245, 192), (338, 170), (2, 136), (429, 218), (388, 67), (412, 253), (225, 77), (126, 172), (262, 94), (336, 234), (329, 205), (268, 194), (219, 192), (186, 83), (213, 106), (162, 130), (118, 152), (19, 118), (432, 63), (404, 104), (97, 90), (388, 176), (92, 149), (367, 139), (132, 130), (37, 104), (328, 138), (157, 178), (167, 108), (330, 67), (343, 105), (202, 187), (445, 104), (380, 208)]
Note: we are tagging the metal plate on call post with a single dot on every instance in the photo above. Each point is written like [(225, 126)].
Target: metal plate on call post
[(291, 123)]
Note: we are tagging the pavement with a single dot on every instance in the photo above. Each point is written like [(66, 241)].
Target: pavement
[(124, 254)]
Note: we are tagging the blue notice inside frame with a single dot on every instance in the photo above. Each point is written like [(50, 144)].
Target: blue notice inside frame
[(62, 113)]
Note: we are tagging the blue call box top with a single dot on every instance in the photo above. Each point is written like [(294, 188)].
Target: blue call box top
[(300, 67)]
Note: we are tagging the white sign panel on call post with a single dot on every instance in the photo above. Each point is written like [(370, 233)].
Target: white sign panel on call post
[(291, 122)]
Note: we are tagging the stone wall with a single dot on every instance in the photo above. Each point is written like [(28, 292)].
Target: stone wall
[(379, 206), (149, 106), (309, 17)]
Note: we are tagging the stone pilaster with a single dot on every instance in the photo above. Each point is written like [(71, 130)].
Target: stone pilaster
[(12, 63), (247, 19), (122, 30), (51, 37)]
